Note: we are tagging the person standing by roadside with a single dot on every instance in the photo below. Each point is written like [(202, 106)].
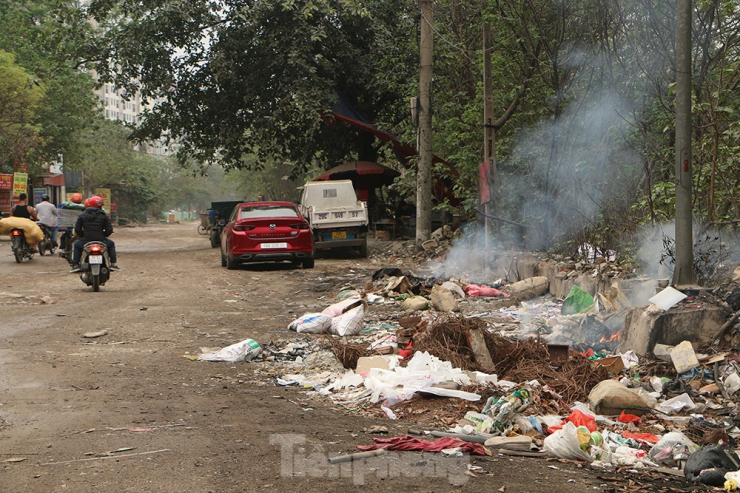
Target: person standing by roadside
[(22, 209), (48, 216)]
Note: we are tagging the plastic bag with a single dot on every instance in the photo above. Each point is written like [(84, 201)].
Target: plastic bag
[(343, 306), (564, 444), (348, 323), (579, 419), (241, 351), (710, 463), (577, 301), (474, 290), (669, 446), (423, 371), (504, 410), (311, 323), (676, 404)]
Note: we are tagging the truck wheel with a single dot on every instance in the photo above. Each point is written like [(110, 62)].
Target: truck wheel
[(214, 240), (308, 263), (363, 250)]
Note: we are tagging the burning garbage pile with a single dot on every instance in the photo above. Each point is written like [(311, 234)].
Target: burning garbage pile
[(527, 373)]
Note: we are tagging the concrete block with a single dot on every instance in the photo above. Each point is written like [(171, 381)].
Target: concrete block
[(647, 326), (661, 351), (480, 350)]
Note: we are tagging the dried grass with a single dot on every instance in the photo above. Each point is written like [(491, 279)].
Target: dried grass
[(517, 361), (447, 339), (348, 354)]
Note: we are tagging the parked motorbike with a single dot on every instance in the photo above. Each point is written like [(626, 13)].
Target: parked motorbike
[(94, 264), (20, 246), (47, 244), (66, 244)]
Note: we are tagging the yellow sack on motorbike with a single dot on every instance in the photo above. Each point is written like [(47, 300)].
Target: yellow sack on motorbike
[(30, 229)]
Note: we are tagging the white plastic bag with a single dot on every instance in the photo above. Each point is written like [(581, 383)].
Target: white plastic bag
[(348, 323), (241, 351), (667, 447), (564, 444), (676, 404), (311, 323), (422, 371)]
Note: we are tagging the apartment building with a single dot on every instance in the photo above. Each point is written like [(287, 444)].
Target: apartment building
[(115, 107)]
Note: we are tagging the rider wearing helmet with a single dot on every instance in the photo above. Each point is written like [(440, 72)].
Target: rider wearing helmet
[(76, 198), (93, 225), (48, 216)]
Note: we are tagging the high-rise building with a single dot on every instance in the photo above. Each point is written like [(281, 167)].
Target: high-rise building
[(115, 107)]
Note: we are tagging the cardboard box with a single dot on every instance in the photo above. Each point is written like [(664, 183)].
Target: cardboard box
[(613, 364)]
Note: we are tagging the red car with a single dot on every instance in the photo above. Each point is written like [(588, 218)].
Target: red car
[(266, 232)]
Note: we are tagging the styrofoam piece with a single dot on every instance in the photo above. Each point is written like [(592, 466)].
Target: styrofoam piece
[(667, 298), (684, 358)]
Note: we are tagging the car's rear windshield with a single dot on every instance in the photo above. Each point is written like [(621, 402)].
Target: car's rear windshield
[(261, 211)]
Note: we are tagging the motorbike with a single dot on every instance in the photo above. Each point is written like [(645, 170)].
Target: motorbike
[(95, 264), (47, 244), (20, 246), (66, 244)]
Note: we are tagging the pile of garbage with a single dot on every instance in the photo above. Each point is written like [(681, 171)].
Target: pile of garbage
[(533, 375)]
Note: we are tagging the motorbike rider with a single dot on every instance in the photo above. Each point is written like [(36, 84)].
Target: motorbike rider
[(22, 209), (93, 225), (48, 216)]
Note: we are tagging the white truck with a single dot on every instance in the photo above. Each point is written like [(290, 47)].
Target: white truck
[(337, 218)]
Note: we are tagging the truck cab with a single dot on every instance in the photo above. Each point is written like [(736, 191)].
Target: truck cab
[(337, 218)]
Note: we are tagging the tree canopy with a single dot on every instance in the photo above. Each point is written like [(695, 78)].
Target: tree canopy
[(47, 39), (20, 96), (583, 93), (243, 78)]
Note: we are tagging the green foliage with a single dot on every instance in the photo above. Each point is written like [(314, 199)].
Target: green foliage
[(20, 97), (582, 94), (47, 39), (256, 78)]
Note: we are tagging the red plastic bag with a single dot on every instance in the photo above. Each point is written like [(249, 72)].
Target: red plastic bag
[(629, 418), (577, 418), (641, 437), (474, 290), (413, 443)]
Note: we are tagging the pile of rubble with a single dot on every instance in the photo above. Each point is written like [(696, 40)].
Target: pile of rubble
[(568, 268)]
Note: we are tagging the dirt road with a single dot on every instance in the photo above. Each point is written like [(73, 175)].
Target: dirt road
[(128, 412)]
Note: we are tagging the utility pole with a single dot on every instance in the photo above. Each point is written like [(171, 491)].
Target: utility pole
[(424, 170), (683, 273), (489, 136)]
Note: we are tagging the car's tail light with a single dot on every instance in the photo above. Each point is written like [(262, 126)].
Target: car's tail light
[(95, 249), (299, 226), (244, 227), (16, 232)]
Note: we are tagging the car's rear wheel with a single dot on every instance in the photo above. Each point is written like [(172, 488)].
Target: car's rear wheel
[(308, 263), (231, 264), (223, 259)]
